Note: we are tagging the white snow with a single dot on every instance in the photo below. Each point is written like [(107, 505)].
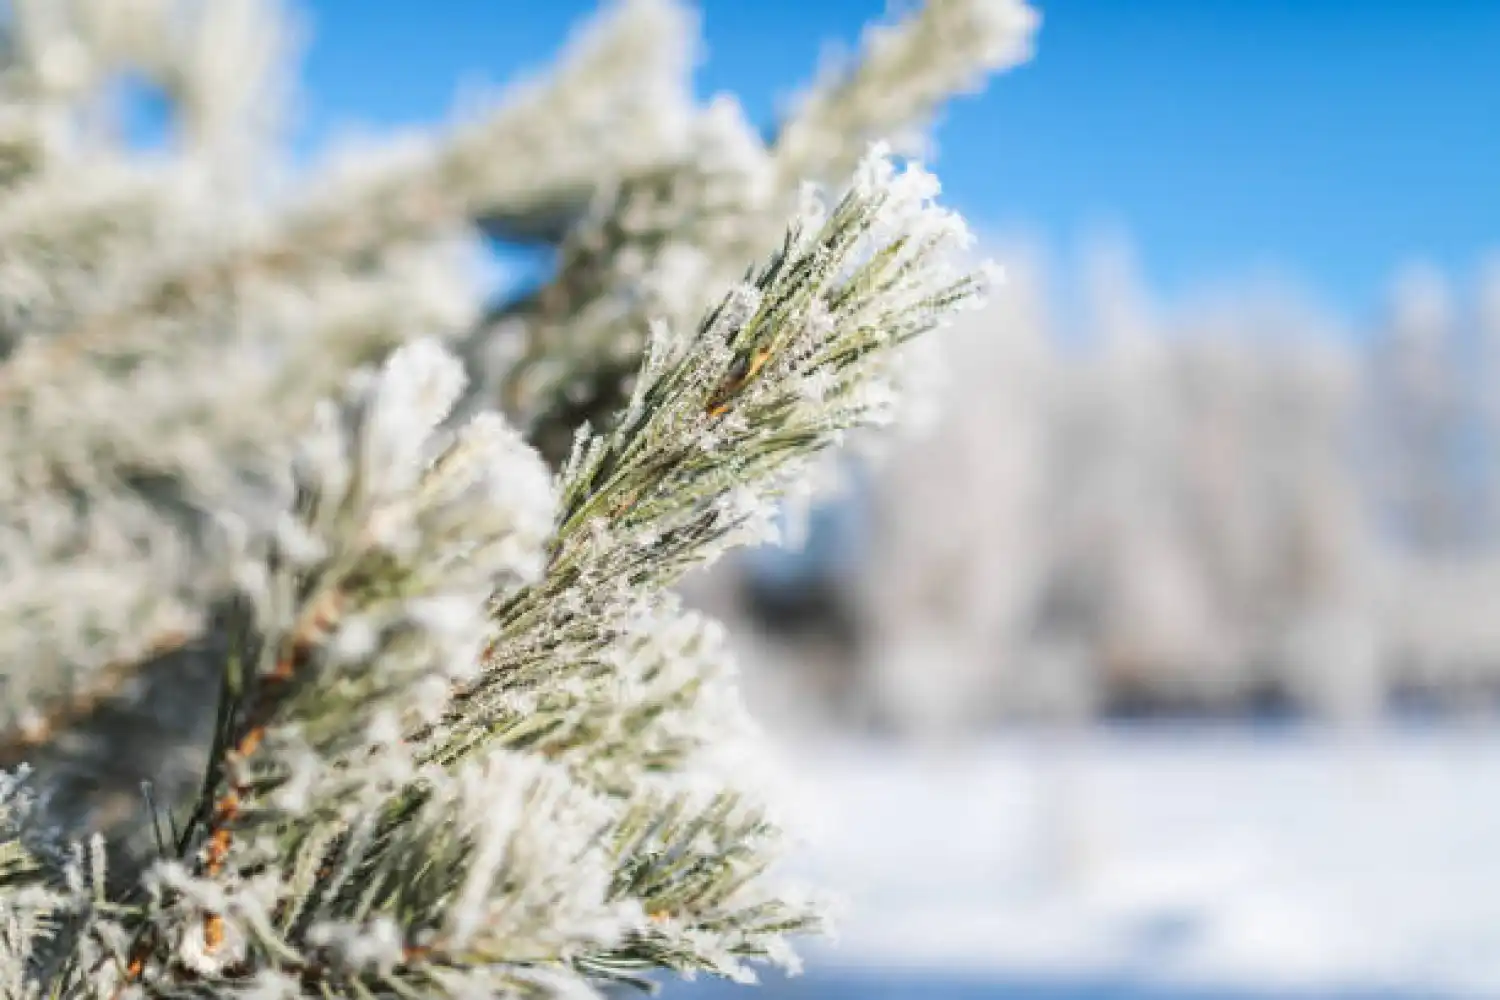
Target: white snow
[(1277, 861)]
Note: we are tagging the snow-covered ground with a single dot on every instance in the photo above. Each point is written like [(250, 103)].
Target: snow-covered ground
[(1232, 861)]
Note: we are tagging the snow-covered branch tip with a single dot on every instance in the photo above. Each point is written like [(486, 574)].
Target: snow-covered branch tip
[(727, 419), (905, 70)]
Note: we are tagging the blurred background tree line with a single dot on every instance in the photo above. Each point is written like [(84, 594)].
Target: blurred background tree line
[(1234, 504)]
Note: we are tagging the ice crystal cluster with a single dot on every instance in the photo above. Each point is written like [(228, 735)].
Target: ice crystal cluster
[(337, 612)]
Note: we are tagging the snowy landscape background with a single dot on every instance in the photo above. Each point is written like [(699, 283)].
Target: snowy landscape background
[(1155, 862)]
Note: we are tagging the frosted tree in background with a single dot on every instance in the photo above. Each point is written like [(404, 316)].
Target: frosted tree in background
[(1434, 458), (338, 628), (1181, 507), (946, 582), (1420, 409), (1121, 581), (1487, 322), (1273, 511)]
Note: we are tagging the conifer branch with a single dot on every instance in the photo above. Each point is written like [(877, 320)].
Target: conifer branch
[(467, 742)]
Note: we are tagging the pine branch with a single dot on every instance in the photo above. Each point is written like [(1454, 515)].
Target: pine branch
[(672, 240), (722, 422), (622, 73), (395, 879), (905, 71), (467, 741), (171, 288), (661, 248)]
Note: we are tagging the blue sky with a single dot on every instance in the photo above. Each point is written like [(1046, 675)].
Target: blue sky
[(1324, 142)]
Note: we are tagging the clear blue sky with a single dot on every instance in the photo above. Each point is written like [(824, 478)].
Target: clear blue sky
[(1326, 140)]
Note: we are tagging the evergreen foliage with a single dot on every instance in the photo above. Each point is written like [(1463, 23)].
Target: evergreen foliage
[(336, 611)]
